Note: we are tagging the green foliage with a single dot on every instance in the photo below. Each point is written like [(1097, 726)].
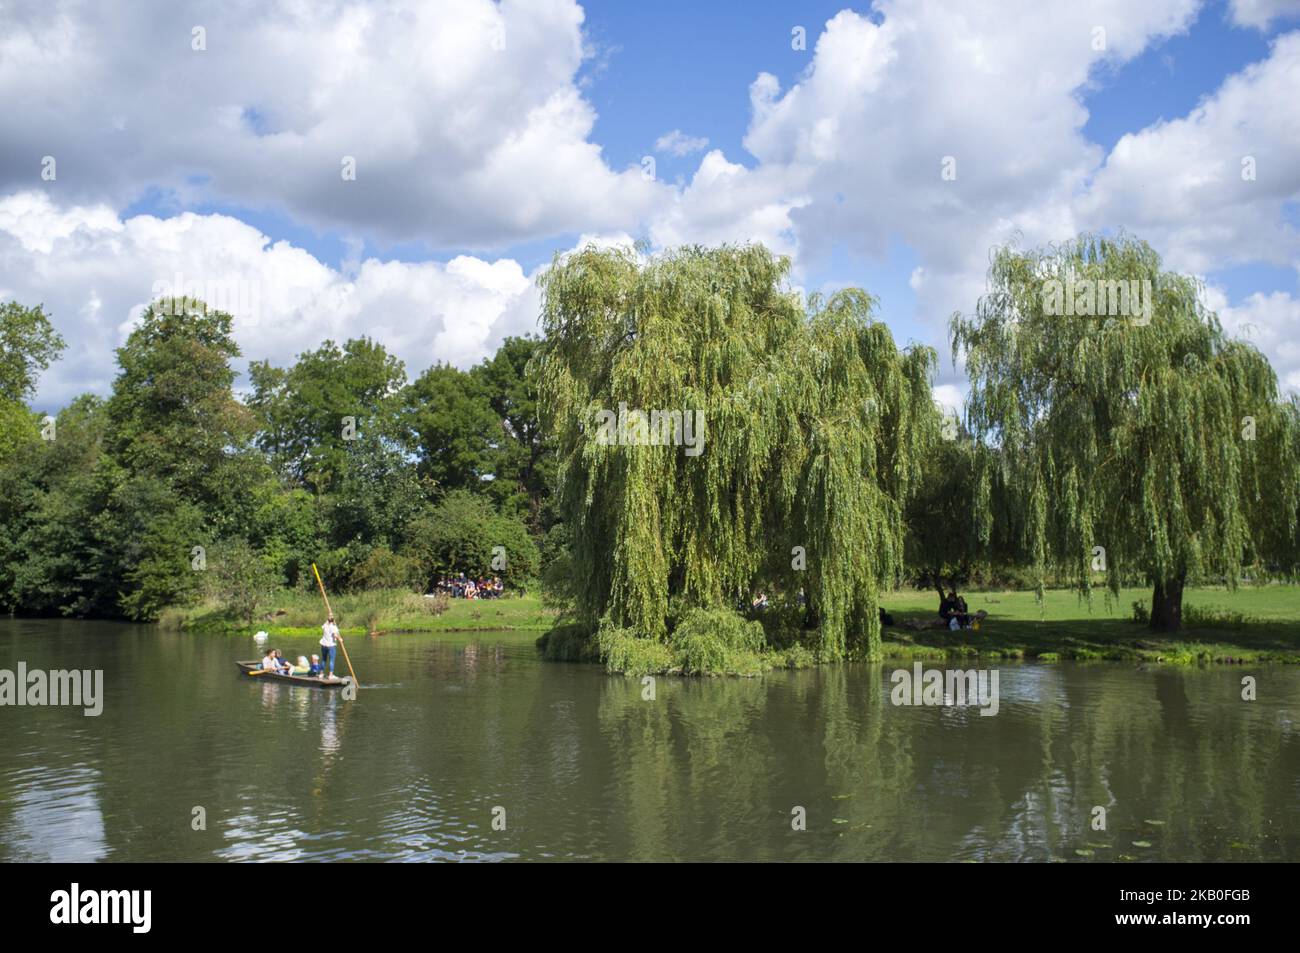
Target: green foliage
[(300, 410), (1129, 436), (152, 536), (524, 465), (51, 497), (104, 519), (385, 569), (711, 641), (573, 642), (459, 534), (241, 579), (815, 429), (173, 415), (28, 343), (453, 427), (624, 652), (19, 428)]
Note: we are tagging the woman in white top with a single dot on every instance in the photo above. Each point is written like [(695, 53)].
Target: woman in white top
[(329, 634)]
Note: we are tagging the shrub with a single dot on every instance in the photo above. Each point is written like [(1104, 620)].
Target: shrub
[(385, 569), (240, 579), (718, 641), (624, 652), (796, 656)]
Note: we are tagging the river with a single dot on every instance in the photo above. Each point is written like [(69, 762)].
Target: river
[(471, 748)]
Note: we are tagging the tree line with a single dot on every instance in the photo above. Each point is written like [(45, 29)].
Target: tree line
[(1096, 449), (124, 505)]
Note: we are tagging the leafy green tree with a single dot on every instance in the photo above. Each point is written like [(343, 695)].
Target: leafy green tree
[(151, 536), (815, 427), (289, 528), (462, 533), (1143, 440), (524, 466), (49, 497), (453, 427), (303, 411), (375, 496), (241, 579), (941, 549), (28, 344), (173, 414)]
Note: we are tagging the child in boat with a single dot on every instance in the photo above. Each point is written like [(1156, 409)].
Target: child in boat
[(316, 668)]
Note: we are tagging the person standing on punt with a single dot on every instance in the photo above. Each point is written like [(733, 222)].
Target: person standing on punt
[(329, 635)]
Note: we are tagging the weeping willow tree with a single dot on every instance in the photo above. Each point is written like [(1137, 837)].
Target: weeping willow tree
[(1134, 436), (814, 428)]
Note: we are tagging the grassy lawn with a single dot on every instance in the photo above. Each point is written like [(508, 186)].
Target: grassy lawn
[(295, 613), (1253, 624)]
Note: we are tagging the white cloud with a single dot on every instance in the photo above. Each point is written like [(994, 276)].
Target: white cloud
[(679, 144), (465, 147), (464, 117), (95, 272), (1210, 189), (949, 397), (1271, 322), (1260, 13), (853, 153)]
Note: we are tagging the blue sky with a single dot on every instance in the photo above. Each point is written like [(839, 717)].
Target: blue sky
[(837, 174), (686, 65)]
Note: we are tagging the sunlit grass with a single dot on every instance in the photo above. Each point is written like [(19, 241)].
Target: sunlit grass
[(1250, 624)]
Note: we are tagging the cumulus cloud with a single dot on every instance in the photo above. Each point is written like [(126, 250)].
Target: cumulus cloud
[(1211, 189), (1271, 322), (1260, 13), (679, 144), (463, 118), (95, 272), (930, 124)]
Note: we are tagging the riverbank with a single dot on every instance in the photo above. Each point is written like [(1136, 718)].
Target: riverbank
[(1252, 624), (293, 613)]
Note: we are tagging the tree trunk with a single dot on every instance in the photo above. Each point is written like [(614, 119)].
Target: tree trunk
[(1167, 605)]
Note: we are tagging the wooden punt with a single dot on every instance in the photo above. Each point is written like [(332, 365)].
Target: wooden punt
[(253, 669)]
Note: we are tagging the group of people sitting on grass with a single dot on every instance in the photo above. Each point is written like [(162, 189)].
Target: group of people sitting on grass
[(955, 614), (465, 587)]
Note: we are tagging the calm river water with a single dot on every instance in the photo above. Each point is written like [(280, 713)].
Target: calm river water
[(449, 732)]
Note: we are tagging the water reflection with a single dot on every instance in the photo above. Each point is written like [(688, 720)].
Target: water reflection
[(445, 730)]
